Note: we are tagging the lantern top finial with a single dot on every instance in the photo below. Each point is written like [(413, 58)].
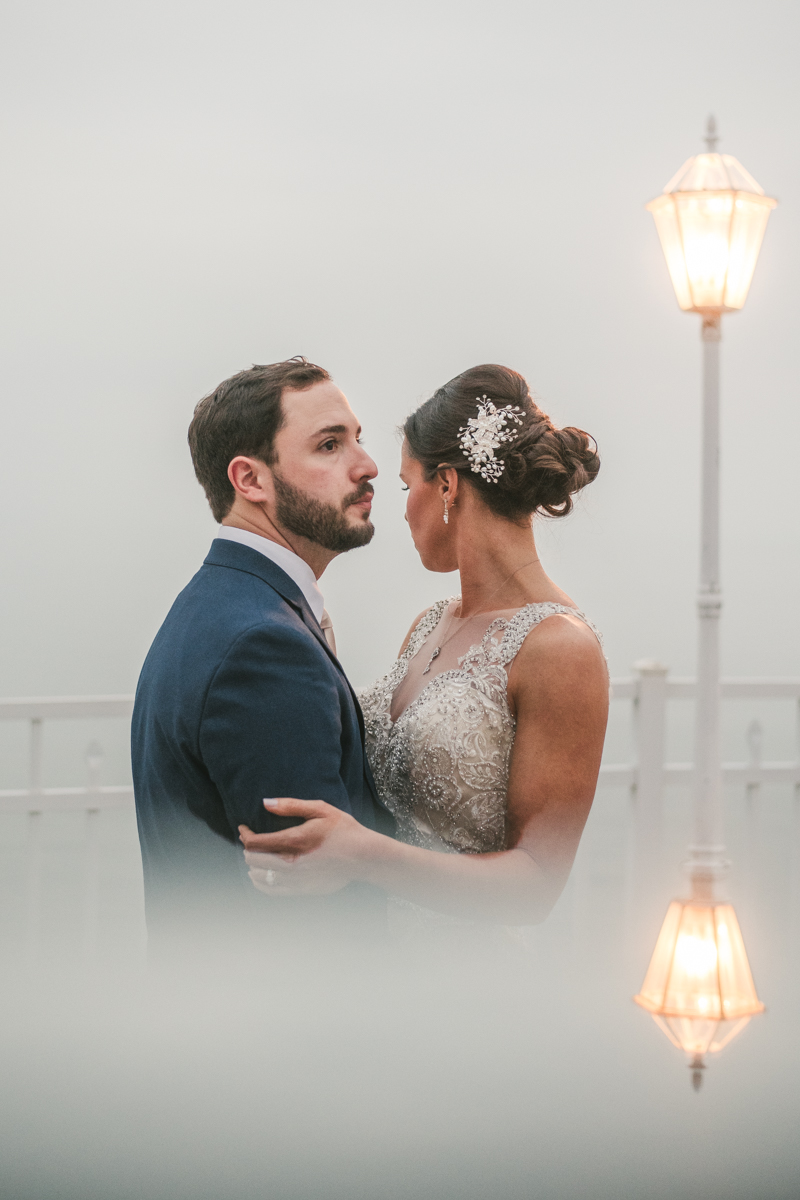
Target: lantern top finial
[(711, 136)]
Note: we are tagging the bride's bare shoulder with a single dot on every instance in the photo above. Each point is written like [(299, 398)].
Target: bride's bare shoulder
[(559, 654)]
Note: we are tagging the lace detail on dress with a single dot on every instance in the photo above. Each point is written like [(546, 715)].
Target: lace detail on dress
[(490, 650), (442, 767)]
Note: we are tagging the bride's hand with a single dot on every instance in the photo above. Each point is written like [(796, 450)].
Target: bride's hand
[(315, 858), (275, 875)]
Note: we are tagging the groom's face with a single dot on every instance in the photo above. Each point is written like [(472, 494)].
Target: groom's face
[(322, 472)]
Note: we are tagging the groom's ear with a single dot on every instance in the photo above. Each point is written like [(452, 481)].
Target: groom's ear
[(251, 479)]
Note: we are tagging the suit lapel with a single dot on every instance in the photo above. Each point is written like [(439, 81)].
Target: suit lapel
[(243, 558), (311, 621)]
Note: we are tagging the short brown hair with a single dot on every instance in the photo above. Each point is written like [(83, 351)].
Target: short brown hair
[(543, 466), (242, 416)]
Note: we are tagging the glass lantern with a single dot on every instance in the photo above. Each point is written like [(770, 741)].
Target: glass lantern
[(711, 219), (698, 987)]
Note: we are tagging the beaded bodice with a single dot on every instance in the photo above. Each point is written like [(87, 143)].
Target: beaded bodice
[(442, 767)]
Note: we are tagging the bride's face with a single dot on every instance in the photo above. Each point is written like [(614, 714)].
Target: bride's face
[(425, 515)]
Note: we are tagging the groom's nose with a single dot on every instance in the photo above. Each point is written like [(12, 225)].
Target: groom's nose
[(365, 468)]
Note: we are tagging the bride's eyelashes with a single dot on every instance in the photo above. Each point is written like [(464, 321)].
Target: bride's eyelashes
[(404, 487)]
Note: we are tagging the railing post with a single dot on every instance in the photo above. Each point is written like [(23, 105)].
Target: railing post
[(648, 899), (33, 857), (755, 745), (91, 895), (794, 858), (35, 771)]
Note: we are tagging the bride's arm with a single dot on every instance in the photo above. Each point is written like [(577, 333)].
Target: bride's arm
[(558, 688)]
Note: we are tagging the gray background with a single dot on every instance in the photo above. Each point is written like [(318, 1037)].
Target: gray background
[(398, 192)]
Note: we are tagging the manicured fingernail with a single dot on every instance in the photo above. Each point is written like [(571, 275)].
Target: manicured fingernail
[(271, 803)]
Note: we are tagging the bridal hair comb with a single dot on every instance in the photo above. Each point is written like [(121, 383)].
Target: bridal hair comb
[(482, 435)]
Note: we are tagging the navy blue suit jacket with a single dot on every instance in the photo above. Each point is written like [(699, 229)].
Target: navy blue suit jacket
[(240, 698)]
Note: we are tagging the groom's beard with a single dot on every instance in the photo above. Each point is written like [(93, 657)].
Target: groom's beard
[(324, 524)]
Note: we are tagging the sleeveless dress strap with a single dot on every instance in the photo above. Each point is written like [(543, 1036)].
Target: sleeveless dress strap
[(427, 623), (492, 651)]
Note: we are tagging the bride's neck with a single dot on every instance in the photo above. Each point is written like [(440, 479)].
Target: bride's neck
[(499, 568)]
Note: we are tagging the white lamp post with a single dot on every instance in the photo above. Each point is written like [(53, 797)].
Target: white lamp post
[(711, 219)]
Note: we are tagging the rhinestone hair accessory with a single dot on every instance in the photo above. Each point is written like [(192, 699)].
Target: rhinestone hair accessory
[(484, 434)]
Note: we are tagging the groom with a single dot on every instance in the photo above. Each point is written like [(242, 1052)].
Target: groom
[(241, 696)]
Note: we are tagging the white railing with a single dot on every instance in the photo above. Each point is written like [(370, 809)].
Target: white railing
[(648, 692), (649, 775), (35, 798), (650, 689)]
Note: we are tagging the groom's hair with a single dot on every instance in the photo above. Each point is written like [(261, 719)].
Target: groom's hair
[(242, 416)]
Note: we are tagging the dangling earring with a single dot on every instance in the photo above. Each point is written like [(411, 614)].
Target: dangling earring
[(446, 517)]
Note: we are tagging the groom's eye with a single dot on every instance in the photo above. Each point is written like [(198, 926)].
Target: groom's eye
[(331, 444)]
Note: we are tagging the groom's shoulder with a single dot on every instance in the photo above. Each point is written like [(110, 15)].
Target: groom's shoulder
[(231, 599), (217, 607), (237, 578)]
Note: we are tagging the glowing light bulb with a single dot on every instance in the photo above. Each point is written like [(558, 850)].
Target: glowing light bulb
[(698, 987), (697, 956)]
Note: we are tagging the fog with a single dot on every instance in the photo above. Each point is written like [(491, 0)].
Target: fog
[(397, 192), (459, 1079)]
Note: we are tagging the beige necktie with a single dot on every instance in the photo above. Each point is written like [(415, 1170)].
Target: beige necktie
[(326, 624)]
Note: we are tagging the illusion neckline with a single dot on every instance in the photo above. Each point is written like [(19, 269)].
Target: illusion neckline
[(408, 658), (515, 609)]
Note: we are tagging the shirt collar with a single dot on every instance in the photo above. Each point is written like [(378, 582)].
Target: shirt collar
[(294, 566)]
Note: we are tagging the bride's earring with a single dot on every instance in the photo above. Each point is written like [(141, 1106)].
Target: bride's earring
[(446, 517)]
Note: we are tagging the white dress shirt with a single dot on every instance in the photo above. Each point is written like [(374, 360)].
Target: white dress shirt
[(294, 566)]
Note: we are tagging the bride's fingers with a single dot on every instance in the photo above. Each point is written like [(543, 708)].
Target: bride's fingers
[(270, 889), (267, 862), (299, 839), (276, 886), (287, 806), (275, 862), (259, 843)]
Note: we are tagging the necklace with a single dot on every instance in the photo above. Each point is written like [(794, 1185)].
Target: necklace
[(438, 649)]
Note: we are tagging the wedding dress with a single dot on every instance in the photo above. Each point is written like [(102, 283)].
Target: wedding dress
[(439, 728)]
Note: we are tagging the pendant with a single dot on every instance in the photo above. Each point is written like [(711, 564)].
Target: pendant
[(433, 656)]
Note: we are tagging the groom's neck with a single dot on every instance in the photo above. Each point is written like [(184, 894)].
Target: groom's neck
[(260, 522)]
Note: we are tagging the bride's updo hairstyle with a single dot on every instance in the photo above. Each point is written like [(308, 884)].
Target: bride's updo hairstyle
[(542, 467)]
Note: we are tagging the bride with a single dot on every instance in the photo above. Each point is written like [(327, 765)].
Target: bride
[(485, 736)]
